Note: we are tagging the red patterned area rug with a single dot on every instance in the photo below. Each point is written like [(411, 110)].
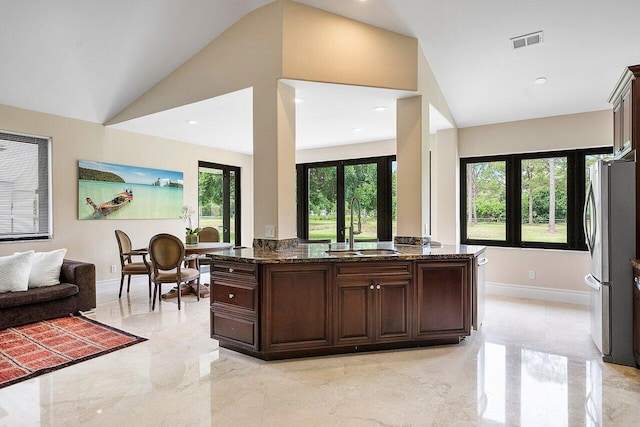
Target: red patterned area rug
[(35, 349)]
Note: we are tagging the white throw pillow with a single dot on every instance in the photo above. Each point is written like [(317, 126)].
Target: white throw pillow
[(14, 272), (45, 268)]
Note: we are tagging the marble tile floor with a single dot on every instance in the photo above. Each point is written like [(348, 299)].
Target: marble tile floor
[(532, 364)]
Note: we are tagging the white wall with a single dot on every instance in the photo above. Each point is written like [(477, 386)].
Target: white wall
[(350, 151), (73, 140), (554, 269)]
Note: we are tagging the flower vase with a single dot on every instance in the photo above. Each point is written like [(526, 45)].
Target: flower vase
[(191, 239)]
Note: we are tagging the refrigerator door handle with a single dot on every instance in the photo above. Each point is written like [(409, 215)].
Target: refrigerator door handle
[(590, 281), (589, 232)]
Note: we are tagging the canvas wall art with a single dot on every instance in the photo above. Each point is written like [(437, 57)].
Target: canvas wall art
[(112, 191)]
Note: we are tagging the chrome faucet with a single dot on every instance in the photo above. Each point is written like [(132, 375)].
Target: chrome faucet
[(352, 232)]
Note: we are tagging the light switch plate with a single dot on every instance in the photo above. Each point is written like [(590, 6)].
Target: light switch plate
[(270, 231)]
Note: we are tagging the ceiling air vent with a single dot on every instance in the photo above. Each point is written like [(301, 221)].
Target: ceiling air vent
[(526, 40)]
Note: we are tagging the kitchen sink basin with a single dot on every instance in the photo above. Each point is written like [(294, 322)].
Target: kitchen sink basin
[(377, 251), (342, 252), (361, 252)]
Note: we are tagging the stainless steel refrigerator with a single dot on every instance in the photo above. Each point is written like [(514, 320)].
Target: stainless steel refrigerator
[(609, 224)]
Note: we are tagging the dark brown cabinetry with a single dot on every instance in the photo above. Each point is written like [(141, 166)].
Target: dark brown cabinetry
[(290, 310), (234, 304), (442, 301), (296, 302), (625, 100), (373, 303)]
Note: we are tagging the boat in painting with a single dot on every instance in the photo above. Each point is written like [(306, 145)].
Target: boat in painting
[(119, 201)]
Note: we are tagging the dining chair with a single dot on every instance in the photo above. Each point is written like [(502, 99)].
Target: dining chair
[(127, 266), (167, 258), (207, 234)]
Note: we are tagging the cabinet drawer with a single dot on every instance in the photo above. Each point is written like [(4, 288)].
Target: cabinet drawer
[(235, 270), (236, 329), (373, 269), (233, 295)]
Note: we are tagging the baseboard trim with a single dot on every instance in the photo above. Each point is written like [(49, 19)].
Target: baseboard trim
[(540, 293)]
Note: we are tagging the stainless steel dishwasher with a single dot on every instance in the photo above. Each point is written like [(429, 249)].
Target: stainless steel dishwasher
[(479, 291)]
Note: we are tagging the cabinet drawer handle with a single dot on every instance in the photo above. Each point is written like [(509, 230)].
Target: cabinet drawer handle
[(377, 286), (370, 286), (231, 296), (231, 270)]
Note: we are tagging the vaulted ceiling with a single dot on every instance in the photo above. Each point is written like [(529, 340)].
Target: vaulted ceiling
[(90, 59)]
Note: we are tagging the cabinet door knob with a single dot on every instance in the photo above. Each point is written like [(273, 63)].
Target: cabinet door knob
[(370, 286), (231, 270), (377, 286), (231, 296)]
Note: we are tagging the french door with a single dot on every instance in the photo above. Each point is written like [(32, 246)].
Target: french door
[(219, 200), (326, 191)]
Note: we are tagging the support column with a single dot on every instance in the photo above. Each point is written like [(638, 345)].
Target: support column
[(445, 195), (413, 170), (274, 166)]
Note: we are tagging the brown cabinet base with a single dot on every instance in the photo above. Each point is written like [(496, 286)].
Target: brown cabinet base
[(280, 311), (327, 351)]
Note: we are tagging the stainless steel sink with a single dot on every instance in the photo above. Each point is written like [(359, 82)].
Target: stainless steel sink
[(378, 251), (342, 253)]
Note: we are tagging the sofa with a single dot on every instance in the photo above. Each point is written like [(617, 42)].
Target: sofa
[(76, 292)]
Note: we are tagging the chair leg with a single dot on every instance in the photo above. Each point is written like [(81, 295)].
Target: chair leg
[(155, 293), (128, 283), (198, 288), (179, 292), (121, 284), (149, 287)]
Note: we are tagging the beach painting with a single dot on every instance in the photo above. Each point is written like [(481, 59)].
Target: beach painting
[(111, 191)]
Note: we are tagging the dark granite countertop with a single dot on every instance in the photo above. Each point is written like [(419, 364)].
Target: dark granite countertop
[(318, 252)]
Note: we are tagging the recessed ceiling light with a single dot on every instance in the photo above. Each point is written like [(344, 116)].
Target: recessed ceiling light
[(192, 122), (357, 130), (540, 80), (380, 108), (298, 100)]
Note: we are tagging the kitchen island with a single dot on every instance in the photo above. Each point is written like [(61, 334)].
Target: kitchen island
[(314, 299)]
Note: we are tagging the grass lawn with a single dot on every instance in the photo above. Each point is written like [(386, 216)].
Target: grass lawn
[(326, 229), (530, 233)]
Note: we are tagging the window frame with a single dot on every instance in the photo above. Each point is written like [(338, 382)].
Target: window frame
[(384, 196), (513, 176), (45, 185)]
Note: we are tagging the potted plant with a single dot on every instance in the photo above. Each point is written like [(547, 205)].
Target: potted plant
[(191, 236)]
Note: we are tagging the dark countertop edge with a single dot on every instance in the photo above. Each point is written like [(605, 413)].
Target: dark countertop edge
[(352, 259)]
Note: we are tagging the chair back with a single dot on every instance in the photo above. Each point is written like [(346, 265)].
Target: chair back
[(209, 234), (166, 252), (124, 246)]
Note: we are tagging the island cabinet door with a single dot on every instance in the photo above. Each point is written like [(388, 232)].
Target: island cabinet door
[(393, 308), (373, 303), (353, 312), (296, 307), (443, 294)]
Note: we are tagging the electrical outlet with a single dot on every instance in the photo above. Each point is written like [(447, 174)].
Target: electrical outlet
[(270, 231), (113, 268), (532, 274)]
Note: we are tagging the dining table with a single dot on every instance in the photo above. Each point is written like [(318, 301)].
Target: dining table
[(191, 249)]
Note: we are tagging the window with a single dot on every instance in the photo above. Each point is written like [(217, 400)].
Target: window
[(526, 200), (219, 200), (25, 187), (325, 191)]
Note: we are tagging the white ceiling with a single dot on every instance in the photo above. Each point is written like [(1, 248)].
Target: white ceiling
[(90, 59)]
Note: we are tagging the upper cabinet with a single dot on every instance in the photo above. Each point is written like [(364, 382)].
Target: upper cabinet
[(625, 98)]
